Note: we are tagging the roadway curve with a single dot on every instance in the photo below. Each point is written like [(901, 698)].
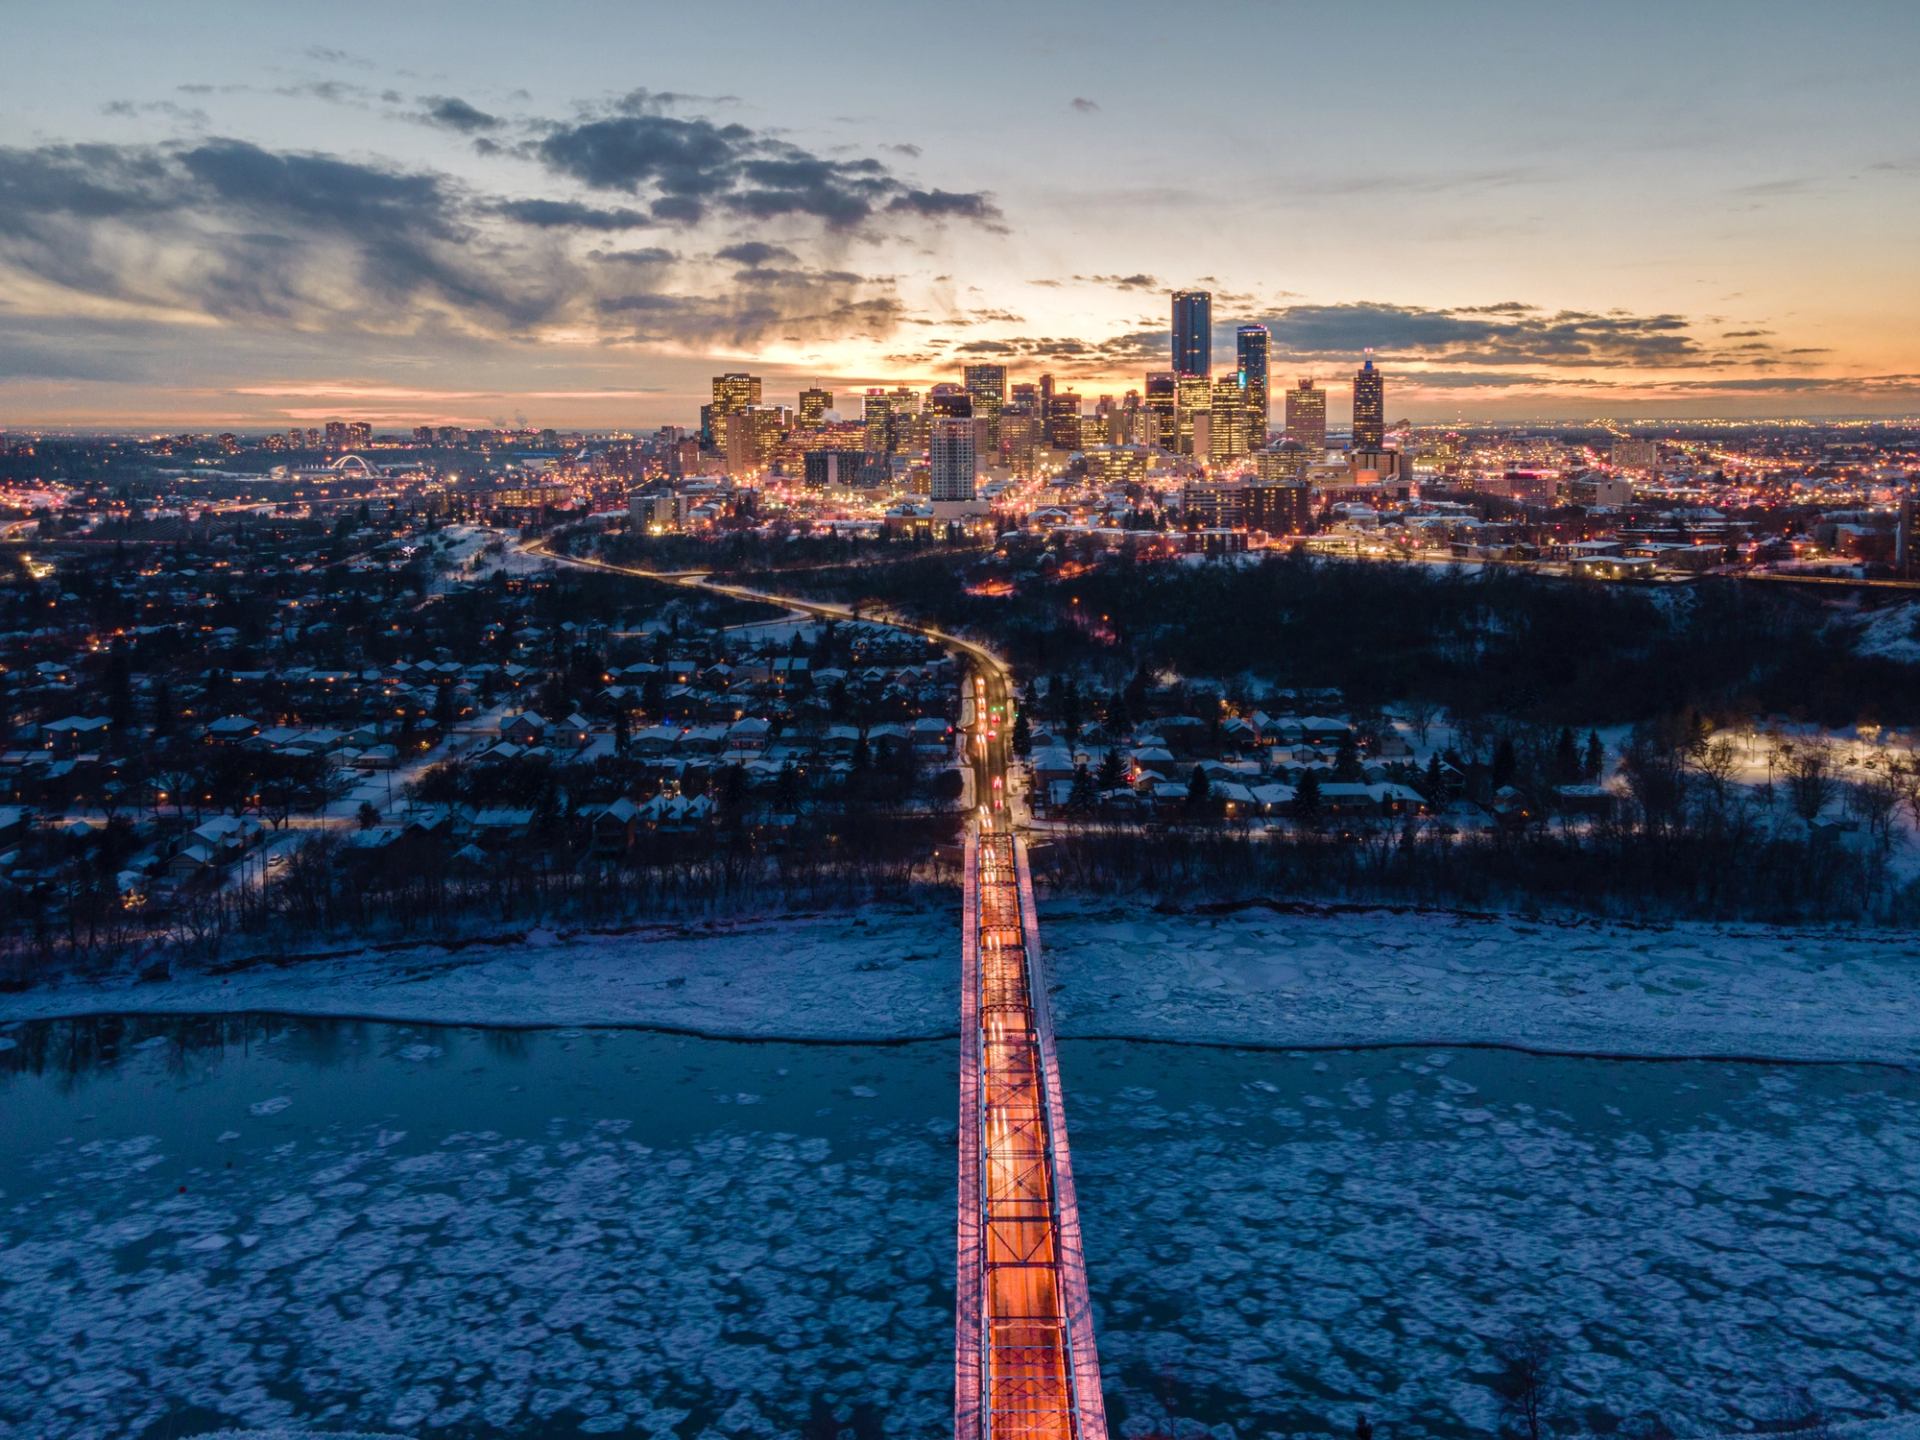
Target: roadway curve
[(990, 756)]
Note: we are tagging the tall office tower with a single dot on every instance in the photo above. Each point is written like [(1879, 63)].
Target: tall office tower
[(1063, 421), (1369, 408), (987, 384), (336, 434), (1026, 393), (1307, 416), (950, 459), (814, 404), (876, 413), (1232, 420), (950, 402), (731, 394), (1163, 405), (752, 436), (1193, 396), (359, 434), (1046, 395), (1251, 343), (1192, 332), (1022, 429)]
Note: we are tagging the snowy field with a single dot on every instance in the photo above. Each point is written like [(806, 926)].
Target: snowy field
[(1249, 977)]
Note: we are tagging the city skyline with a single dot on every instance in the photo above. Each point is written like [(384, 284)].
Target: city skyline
[(415, 230)]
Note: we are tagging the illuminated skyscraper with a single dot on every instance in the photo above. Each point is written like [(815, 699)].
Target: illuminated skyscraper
[(1063, 421), (950, 402), (814, 404), (987, 384), (1307, 417), (950, 459), (732, 394), (1193, 396), (1231, 412), (1251, 343), (876, 413), (1369, 408), (1163, 405), (1192, 332)]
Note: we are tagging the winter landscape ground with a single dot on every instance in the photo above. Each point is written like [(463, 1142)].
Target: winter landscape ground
[(425, 1227), (1249, 975)]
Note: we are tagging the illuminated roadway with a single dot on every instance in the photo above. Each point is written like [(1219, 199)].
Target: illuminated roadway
[(1025, 1364)]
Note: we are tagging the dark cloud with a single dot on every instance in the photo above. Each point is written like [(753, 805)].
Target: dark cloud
[(647, 255), (453, 113), (1504, 334), (278, 242), (638, 152), (571, 215), (946, 205), (1121, 282), (755, 253), (1084, 105), (690, 167)]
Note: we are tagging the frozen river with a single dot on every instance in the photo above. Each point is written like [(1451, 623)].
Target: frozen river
[(455, 1231)]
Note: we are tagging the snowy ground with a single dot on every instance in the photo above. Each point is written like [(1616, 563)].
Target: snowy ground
[(1248, 977)]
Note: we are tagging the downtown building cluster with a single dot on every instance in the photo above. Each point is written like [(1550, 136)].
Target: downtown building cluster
[(961, 444)]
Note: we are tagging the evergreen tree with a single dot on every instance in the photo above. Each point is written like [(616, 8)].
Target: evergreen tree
[(1435, 783), (1306, 797), (1113, 771), (1505, 762), (1198, 788), (1594, 761), (1081, 797), (1346, 758), (1022, 735), (1566, 759), (786, 789), (622, 729)]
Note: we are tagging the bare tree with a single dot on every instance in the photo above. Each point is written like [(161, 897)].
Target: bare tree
[(1421, 714), (1811, 784), (1874, 800), (1527, 1382)]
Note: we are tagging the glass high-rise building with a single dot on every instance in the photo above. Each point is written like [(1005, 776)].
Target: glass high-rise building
[(950, 459), (1192, 332), (1307, 417), (814, 405), (733, 394), (1227, 436), (1194, 396), (1369, 408), (987, 384), (1251, 343), (876, 414), (1162, 403)]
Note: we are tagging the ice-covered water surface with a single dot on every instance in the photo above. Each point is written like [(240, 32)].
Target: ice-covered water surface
[(1283, 1240), (463, 1233), (438, 1231)]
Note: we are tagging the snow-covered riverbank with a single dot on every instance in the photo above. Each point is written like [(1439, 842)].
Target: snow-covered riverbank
[(1253, 976)]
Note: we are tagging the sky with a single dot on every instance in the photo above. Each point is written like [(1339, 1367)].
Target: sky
[(242, 215)]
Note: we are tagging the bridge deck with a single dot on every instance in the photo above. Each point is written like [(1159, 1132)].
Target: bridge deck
[(1024, 1358)]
